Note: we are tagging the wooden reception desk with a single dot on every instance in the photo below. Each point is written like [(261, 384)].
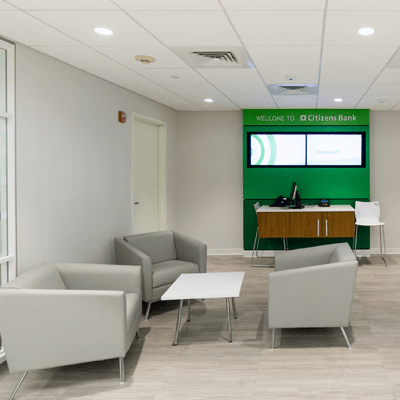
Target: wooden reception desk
[(336, 221)]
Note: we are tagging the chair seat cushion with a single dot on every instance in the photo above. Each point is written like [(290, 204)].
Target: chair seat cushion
[(168, 272), (133, 308)]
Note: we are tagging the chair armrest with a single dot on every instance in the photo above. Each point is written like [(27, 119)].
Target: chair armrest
[(125, 278), (318, 296), (190, 249), (43, 328), (130, 255), (300, 258)]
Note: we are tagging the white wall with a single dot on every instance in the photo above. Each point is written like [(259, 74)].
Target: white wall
[(210, 176), (73, 161), (385, 176)]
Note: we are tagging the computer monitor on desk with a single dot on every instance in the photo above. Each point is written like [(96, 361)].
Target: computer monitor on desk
[(295, 201)]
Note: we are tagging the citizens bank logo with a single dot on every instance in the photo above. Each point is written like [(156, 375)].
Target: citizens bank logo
[(303, 117)]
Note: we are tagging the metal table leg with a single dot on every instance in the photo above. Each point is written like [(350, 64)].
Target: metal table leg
[(228, 311), (178, 323), (234, 307), (189, 306)]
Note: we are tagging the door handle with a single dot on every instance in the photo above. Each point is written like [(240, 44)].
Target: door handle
[(317, 227), (326, 227), (136, 202)]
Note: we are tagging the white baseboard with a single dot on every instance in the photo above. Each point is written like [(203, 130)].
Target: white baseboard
[(225, 252), (2, 356), (261, 253), (363, 253), (377, 250), (271, 253)]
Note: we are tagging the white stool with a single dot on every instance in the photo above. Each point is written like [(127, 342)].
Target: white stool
[(367, 214)]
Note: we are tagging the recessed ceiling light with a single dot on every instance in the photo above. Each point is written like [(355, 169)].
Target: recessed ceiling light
[(174, 77), (209, 100), (338, 100), (103, 31), (366, 31)]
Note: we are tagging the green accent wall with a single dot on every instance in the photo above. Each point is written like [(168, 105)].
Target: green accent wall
[(339, 184)]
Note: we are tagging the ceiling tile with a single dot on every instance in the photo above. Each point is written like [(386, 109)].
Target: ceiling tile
[(165, 58), (235, 81), (20, 27), (342, 90), (5, 6), (364, 5), (372, 102), (170, 5), (342, 27), (279, 76), (296, 101), (164, 76), (278, 28), (389, 76), (328, 102), (384, 89), (356, 56), (65, 4), (285, 57), (273, 5), (396, 108), (81, 57), (394, 63), (169, 99), (343, 75), (80, 25), (188, 28), (196, 93), (253, 101)]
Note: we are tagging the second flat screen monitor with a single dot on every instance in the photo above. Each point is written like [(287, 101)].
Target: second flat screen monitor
[(345, 150)]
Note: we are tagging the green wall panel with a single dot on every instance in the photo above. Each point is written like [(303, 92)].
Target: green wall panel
[(340, 185)]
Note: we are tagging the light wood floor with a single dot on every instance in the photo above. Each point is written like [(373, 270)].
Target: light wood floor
[(306, 364)]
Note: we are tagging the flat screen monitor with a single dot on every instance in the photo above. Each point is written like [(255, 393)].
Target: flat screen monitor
[(306, 149), (293, 193)]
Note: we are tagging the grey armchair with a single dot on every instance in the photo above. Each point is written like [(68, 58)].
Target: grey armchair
[(164, 256), (312, 287), (63, 314)]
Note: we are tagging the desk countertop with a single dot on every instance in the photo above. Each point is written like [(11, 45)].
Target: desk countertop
[(313, 208)]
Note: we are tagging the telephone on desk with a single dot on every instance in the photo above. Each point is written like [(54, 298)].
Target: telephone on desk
[(280, 202), (284, 202)]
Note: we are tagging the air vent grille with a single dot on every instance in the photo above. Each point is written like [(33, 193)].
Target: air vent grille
[(226, 57), (209, 57), (293, 89)]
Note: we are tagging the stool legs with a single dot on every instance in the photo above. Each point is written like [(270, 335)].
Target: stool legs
[(382, 239)]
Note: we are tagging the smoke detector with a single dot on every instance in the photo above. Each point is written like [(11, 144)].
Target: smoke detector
[(145, 59), (290, 77), (214, 57)]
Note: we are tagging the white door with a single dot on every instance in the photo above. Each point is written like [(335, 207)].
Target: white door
[(145, 190)]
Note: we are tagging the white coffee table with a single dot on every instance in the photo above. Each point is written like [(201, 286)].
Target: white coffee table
[(205, 286)]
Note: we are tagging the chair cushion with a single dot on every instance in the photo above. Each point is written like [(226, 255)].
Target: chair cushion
[(133, 308), (159, 246), (167, 272), (40, 277)]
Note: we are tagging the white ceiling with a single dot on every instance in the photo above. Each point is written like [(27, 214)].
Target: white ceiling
[(314, 40)]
